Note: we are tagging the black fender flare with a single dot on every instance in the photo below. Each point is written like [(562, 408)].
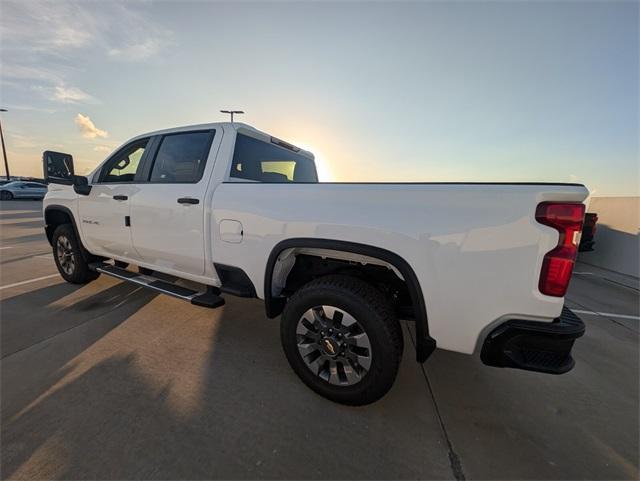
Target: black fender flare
[(425, 344), (49, 232)]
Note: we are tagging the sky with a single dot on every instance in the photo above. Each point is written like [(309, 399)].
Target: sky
[(386, 91)]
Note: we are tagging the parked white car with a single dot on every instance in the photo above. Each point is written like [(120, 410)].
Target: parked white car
[(19, 189), (479, 267)]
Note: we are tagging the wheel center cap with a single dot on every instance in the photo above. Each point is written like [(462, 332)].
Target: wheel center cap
[(329, 346)]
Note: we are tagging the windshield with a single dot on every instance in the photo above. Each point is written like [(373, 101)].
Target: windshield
[(261, 161)]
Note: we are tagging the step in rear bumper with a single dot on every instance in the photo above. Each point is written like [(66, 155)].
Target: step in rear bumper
[(534, 346)]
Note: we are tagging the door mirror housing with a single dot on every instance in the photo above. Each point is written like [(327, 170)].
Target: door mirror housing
[(57, 168), (81, 185)]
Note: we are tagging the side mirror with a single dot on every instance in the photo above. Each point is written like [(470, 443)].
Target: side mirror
[(81, 185), (57, 168)]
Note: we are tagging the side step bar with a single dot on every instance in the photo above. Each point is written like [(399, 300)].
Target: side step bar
[(209, 298)]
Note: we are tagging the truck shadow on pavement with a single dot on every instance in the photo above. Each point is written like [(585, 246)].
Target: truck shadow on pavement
[(38, 337), (179, 392), (110, 385)]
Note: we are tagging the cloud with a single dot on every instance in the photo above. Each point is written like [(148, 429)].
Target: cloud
[(88, 128), (21, 72), (102, 148), (122, 30), (65, 94), (70, 94), (46, 26), (67, 36), (48, 83), (136, 52), (47, 44)]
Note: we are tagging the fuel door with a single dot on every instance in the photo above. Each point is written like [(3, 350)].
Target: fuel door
[(231, 231)]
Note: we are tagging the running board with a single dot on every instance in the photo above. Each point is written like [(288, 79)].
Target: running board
[(209, 298)]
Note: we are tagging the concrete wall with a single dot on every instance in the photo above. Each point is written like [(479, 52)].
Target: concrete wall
[(617, 236)]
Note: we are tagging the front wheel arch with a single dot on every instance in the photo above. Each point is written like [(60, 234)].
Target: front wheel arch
[(425, 344), (67, 254), (56, 215)]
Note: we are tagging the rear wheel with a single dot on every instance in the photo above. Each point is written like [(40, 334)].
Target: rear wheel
[(342, 339), (68, 256), (6, 195)]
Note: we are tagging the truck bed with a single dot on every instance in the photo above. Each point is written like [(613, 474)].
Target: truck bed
[(476, 248)]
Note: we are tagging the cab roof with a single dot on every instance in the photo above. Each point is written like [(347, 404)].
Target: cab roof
[(240, 127)]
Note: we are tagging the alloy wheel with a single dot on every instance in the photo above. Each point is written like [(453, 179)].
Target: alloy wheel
[(64, 252), (333, 345)]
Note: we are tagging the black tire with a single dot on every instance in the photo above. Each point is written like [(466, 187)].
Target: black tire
[(375, 317), (6, 195), (71, 265)]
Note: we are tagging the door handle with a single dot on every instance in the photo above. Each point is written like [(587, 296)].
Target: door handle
[(120, 197), (188, 200)]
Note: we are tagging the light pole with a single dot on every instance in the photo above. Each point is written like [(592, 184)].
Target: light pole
[(232, 112), (4, 150)]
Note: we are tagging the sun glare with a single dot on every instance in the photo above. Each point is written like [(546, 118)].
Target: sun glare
[(322, 166)]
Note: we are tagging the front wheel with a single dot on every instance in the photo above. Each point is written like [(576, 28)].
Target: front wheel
[(68, 256), (342, 339), (6, 195)]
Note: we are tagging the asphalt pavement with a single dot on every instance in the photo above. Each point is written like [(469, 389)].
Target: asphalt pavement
[(111, 381)]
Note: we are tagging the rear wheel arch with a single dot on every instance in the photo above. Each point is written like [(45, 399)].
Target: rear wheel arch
[(274, 305), (342, 338)]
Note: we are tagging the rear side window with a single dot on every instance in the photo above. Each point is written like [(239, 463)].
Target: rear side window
[(181, 157), (261, 161)]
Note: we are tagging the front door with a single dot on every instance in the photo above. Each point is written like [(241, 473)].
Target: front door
[(105, 212), (167, 212)]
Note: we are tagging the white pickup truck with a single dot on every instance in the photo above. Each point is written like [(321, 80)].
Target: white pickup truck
[(478, 267)]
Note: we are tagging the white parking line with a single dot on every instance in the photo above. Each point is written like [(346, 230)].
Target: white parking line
[(16, 284), (584, 273), (607, 314), (8, 247)]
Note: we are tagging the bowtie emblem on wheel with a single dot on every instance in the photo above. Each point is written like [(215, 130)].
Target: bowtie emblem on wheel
[(329, 346)]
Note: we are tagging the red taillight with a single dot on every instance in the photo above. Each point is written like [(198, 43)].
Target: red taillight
[(557, 265)]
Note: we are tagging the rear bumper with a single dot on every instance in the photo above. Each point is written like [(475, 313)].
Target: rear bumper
[(534, 346), (586, 246)]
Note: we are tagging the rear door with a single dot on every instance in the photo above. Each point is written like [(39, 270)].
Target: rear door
[(105, 212), (167, 212)]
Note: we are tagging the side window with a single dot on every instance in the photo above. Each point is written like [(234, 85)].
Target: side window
[(261, 161), (124, 165), (181, 157)]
